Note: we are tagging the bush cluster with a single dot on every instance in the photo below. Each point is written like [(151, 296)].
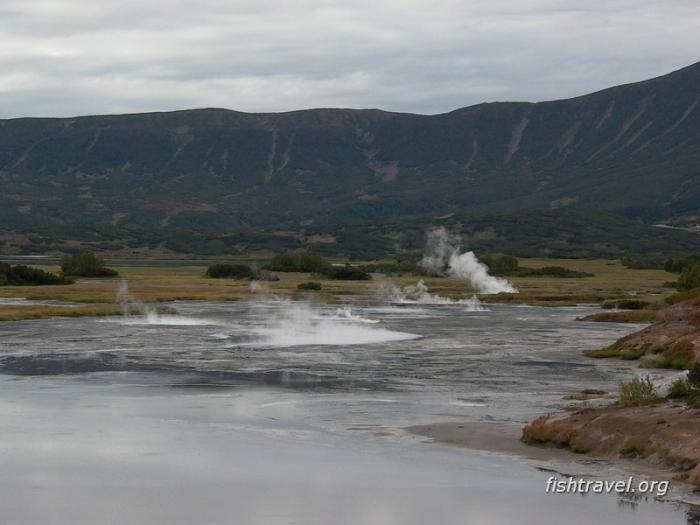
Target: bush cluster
[(502, 264), (399, 267), (689, 278), (678, 264), (627, 304), (679, 388), (550, 271), (21, 275), (347, 273), (639, 391), (85, 264), (229, 271), (688, 388), (308, 262)]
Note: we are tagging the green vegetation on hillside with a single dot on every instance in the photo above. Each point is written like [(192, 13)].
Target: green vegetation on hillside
[(581, 181), (566, 233)]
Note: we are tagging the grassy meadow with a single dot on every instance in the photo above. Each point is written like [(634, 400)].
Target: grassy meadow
[(157, 284)]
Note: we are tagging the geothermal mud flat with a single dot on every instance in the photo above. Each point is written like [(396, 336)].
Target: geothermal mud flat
[(272, 412)]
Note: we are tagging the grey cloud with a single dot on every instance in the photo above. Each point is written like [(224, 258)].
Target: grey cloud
[(67, 57)]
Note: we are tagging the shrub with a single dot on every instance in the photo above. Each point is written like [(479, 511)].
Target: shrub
[(229, 271), (690, 278), (21, 275), (554, 271), (694, 376), (626, 304), (679, 388), (678, 264), (85, 264), (392, 267), (693, 400), (313, 286), (638, 392), (347, 273), (603, 353), (298, 262), (499, 263)]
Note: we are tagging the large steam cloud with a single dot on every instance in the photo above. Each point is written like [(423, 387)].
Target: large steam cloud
[(442, 257)]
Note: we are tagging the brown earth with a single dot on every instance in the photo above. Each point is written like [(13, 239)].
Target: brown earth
[(673, 341), (624, 316), (665, 436)]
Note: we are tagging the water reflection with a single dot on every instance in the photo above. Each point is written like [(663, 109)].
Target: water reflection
[(247, 414)]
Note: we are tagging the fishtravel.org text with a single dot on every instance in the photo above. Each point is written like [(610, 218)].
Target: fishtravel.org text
[(584, 486)]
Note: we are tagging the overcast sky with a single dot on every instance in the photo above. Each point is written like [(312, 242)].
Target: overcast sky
[(74, 57)]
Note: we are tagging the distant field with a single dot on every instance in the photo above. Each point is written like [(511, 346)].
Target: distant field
[(156, 284)]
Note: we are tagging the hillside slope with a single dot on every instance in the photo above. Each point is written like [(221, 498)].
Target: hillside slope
[(632, 150)]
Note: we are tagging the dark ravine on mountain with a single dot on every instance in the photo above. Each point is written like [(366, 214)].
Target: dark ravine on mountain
[(596, 171)]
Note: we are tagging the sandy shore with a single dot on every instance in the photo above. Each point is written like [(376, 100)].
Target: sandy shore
[(506, 439), (493, 437)]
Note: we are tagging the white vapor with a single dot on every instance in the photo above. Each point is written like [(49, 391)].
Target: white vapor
[(419, 294), (442, 257)]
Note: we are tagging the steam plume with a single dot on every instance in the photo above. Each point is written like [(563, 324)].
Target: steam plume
[(442, 257)]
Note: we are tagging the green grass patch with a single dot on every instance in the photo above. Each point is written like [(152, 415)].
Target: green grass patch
[(603, 353), (638, 392)]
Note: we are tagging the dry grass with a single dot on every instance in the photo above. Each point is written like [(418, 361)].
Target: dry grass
[(158, 284), (611, 280), (28, 312), (18, 313)]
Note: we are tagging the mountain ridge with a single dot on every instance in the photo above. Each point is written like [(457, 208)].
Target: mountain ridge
[(691, 67), (630, 150)]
